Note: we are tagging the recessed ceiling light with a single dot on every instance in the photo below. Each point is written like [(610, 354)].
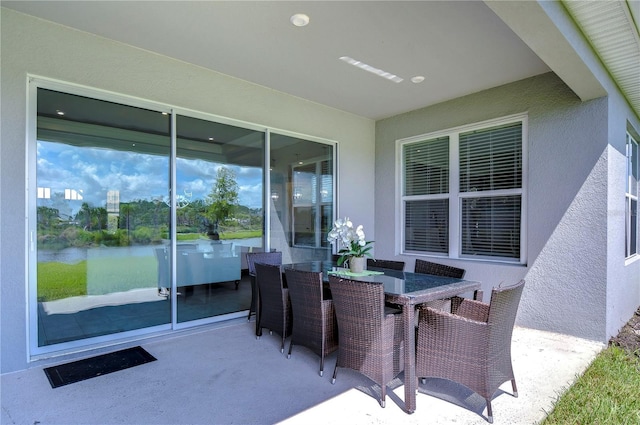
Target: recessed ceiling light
[(417, 79), (373, 70), (299, 19), (59, 112)]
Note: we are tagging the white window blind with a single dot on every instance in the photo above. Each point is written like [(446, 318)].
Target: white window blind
[(490, 163), (427, 226), (477, 204), (427, 167), (491, 159), (427, 185)]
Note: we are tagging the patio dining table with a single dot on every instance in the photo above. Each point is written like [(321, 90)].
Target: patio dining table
[(407, 290)]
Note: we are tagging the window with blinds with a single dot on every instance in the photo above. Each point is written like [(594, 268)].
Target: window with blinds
[(490, 164), (426, 191), (462, 192), (427, 167)]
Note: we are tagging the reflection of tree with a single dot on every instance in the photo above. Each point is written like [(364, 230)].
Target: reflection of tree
[(126, 211), (47, 217), (92, 218), (145, 221), (222, 201), (189, 216)]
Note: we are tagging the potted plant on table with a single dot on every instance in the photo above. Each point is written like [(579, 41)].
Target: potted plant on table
[(353, 246)]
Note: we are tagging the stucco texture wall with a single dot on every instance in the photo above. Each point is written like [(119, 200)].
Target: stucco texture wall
[(36, 47), (623, 291), (566, 212)]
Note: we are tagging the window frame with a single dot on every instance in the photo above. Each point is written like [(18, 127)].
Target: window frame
[(34, 83), (629, 197), (316, 203), (455, 196)]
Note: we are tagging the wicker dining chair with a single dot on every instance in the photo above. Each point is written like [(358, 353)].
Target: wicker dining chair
[(275, 258), (275, 306), (370, 341), (385, 264), (427, 267), (471, 345), (314, 323)]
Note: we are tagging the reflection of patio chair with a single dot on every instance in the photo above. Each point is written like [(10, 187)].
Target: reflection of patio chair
[(222, 248), (162, 257)]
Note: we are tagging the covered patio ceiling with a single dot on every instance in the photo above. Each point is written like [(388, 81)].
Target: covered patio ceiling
[(459, 47)]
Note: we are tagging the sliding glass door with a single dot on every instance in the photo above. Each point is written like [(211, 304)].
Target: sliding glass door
[(302, 197), (102, 178), (219, 186), (141, 216)]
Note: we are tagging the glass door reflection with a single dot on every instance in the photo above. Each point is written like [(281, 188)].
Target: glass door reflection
[(219, 181), (302, 197), (102, 174)]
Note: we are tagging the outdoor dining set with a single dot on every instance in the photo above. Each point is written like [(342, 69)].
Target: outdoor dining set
[(369, 317)]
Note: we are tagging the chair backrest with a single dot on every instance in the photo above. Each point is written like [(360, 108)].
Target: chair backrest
[(269, 279), (305, 288), (273, 258), (427, 267), (503, 309), (305, 292), (359, 310), (385, 264)]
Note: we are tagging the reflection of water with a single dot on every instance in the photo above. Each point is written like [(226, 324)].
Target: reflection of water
[(75, 255), (67, 255)]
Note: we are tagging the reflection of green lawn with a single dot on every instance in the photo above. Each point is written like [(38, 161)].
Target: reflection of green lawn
[(97, 277)]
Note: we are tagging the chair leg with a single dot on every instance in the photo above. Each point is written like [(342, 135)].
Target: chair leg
[(258, 325), (489, 411), (335, 373), (290, 347), (282, 345), (321, 364), (515, 389), (383, 395)]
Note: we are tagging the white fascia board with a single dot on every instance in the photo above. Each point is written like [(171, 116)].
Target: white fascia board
[(559, 48)]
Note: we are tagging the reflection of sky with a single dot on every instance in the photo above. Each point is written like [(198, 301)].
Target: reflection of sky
[(137, 176)]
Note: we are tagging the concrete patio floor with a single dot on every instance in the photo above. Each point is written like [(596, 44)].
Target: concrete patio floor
[(223, 375)]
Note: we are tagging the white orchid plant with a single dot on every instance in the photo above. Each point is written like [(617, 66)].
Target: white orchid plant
[(351, 240)]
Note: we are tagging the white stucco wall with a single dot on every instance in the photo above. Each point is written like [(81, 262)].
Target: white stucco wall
[(566, 269), (623, 276), (37, 47)]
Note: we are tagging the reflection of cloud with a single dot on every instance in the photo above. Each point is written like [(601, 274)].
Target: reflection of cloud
[(251, 195), (136, 176)]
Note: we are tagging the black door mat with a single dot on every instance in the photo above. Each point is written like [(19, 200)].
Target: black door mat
[(80, 370)]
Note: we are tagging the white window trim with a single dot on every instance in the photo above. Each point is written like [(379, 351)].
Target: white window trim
[(455, 197), (630, 196)]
